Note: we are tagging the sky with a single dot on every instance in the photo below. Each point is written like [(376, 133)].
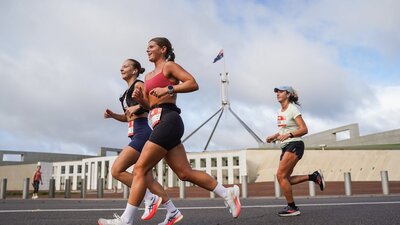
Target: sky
[(60, 61)]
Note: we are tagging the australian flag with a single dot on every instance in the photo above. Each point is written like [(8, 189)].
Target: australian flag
[(219, 56)]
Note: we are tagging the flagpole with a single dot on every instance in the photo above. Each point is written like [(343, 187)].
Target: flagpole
[(225, 104), (224, 62), (224, 85)]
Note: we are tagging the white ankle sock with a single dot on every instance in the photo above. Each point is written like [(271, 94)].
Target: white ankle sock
[(129, 213), (169, 206), (148, 195), (220, 190)]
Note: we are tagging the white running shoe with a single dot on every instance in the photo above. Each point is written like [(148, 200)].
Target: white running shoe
[(172, 218), (232, 200), (151, 207), (117, 221)]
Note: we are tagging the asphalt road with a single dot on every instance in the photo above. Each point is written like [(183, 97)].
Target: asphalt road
[(358, 210)]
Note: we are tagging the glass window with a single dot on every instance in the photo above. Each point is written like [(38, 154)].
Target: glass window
[(192, 163), (71, 169), (203, 163), (213, 162), (236, 161), (224, 161), (62, 169)]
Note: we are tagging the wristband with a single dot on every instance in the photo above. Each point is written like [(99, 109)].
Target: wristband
[(291, 135)]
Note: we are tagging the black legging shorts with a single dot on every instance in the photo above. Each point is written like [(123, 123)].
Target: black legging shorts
[(169, 131)]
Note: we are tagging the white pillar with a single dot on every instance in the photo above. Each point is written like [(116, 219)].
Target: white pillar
[(90, 175), (102, 171), (110, 175), (311, 188), (75, 178), (57, 177), (208, 165), (385, 182), (219, 170), (231, 179), (170, 177), (278, 192), (347, 183), (83, 172), (197, 161), (160, 172)]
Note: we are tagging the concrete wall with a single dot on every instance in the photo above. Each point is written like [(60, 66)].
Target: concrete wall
[(364, 165), (16, 175), (328, 137), (383, 138)]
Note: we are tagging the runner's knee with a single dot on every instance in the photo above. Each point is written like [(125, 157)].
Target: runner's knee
[(140, 171), (184, 175), (281, 175), (115, 171)]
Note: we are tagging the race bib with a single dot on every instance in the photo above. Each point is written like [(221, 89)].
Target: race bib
[(281, 121), (130, 128), (155, 116)]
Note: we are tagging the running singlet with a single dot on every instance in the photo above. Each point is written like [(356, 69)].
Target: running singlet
[(127, 100), (158, 80)]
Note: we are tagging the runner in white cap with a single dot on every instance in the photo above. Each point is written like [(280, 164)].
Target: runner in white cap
[(291, 128)]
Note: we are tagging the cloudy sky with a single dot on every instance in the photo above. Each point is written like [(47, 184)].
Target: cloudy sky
[(60, 60)]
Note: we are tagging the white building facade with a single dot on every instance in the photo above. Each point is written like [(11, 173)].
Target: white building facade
[(228, 167)]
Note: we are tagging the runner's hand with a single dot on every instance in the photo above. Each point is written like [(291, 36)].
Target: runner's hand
[(159, 92), (270, 139), (108, 114), (129, 111), (137, 94), (283, 137)]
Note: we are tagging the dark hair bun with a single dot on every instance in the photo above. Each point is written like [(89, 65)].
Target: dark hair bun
[(141, 70)]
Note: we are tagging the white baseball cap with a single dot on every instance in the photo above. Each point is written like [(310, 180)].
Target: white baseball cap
[(284, 88)]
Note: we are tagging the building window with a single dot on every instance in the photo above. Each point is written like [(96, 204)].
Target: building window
[(214, 174), (54, 169), (203, 163), (13, 157), (71, 169), (342, 135), (62, 169), (79, 168), (224, 161), (236, 175), (213, 162), (192, 163), (106, 168), (236, 161), (98, 170), (225, 177)]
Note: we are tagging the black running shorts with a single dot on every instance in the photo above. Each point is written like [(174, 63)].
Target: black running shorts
[(296, 147), (169, 131)]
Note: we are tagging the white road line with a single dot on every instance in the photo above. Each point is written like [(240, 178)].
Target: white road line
[(198, 208)]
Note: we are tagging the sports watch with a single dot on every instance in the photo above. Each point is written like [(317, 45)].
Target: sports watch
[(170, 90)]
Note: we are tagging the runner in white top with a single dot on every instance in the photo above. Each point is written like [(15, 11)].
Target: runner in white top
[(291, 128), (287, 123)]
